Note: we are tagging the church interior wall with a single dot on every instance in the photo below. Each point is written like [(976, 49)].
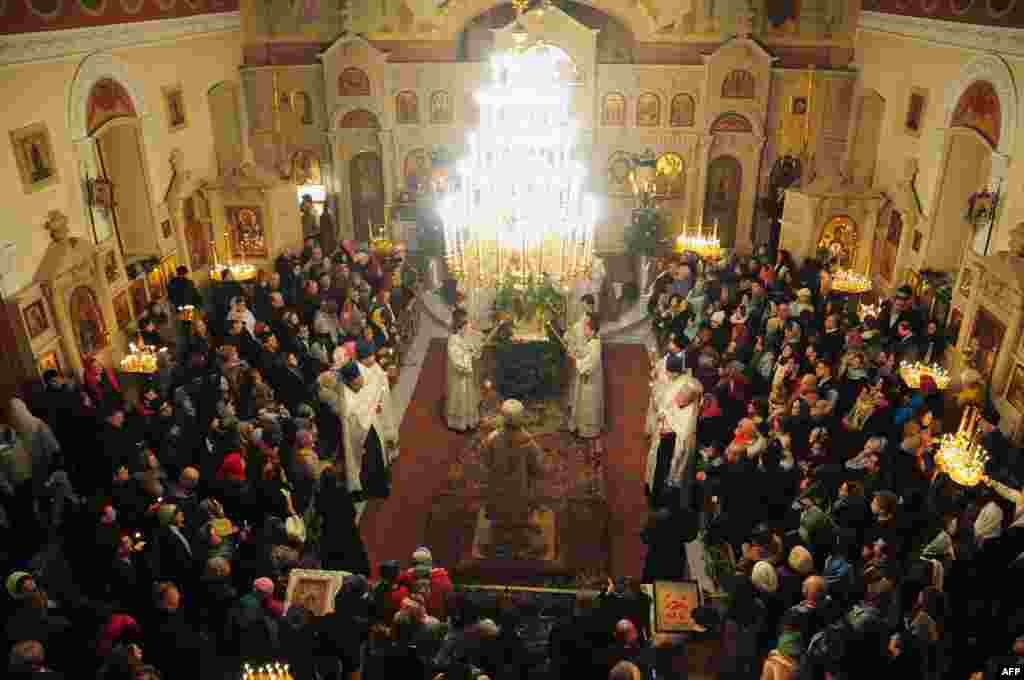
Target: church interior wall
[(43, 92), (935, 68)]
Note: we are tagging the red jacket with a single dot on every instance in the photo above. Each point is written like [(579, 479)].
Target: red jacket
[(440, 588)]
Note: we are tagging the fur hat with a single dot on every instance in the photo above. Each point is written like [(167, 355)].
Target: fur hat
[(801, 561), (764, 577), (422, 555), (165, 515)]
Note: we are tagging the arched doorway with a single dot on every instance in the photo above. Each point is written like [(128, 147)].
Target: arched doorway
[(722, 197), (968, 165), (367, 190)]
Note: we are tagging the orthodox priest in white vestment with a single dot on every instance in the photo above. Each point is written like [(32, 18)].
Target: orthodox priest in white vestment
[(369, 430), (586, 397), (660, 379), (462, 403), (670, 459)]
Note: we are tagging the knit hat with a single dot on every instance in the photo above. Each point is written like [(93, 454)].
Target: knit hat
[(165, 515), (764, 577), (263, 585), (14, 582), (989, 523), (422, 555), (801, 561)]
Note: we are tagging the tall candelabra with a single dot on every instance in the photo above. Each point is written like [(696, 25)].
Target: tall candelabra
[(518, 211)]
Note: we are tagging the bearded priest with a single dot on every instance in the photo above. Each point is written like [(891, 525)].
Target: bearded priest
[(370, 433)]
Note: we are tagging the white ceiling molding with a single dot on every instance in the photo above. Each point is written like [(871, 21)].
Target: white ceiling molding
[(27, 48), (1008, 41)]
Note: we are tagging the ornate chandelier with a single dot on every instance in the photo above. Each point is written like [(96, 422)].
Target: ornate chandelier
[(913, 372), (518, 212), (961, 456), (705, 247), (850, 282)]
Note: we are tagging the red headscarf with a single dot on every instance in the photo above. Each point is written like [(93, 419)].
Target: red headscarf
[(117, 628), (233, 468)]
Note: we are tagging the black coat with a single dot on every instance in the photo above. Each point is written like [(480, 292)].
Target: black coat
[(341, 545)]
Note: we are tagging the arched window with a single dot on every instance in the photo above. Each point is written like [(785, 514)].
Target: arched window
[(682, 111), (648, 110), (353, 82), (407, 108)]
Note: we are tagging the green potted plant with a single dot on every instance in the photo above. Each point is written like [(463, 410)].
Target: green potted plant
[(641, 243)]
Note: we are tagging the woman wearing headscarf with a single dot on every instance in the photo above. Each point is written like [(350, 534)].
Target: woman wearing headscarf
[(100, 384)]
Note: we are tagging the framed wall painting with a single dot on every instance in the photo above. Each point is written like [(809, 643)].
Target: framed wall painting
[(174, 102), (157, 284), (915, 111), (36, 320), (798, 106), (674, 605), (1015, 388), (87, 320), (122, 310), (986, 340), (33, 151), (50, 361), (407, 108), (137, 291)]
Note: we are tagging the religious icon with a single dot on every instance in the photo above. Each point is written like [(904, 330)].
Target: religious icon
[(985, 342), (738, 84), (648, 110), (682, 111), (314, 589), (614, 110), (248, 238), (87, 320), (165, 228), (122, 310), (353, 82), (174, 97), (108, 99), (34, 155), (50, 361), (979, 109), (407, 108), (674, 605), (799, 106), (915, 112), (440, 107), (35, 319), (669, 177)]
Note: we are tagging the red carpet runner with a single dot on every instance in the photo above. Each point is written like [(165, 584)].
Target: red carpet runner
[(392, 529)]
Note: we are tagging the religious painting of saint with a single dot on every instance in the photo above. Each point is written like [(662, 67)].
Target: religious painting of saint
[(620, 165), (197, 235), (839, 237), (669, 178), (122, 310), (738, 84), (980, 110), (87, 321), (107, 100), (613, 109), (34, 154), (440, 107), (985, 342), (353, 82), (407, 108), (36, 321), (174, 99), (246, 228), (157, 284), (648, 110), (417, 171), (682, 111), (314, 589), (139, 300), (915, 112), (799, 107)]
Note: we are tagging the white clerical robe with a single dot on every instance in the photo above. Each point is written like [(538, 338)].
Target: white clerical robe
[(462, 404), (682, 421), (660, 380), (586, 404), (366, 410)]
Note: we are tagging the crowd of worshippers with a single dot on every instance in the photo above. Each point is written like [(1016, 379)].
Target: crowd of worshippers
[(135, 528), (813, 466)]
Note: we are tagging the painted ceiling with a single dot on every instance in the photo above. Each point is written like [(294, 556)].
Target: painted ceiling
[(31, 16)]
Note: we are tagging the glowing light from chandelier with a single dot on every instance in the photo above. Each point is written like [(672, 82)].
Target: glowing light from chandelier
[(518, 209)]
